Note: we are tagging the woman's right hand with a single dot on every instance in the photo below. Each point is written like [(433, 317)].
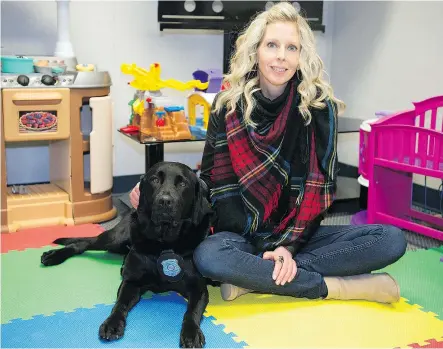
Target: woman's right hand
[(134, 197)]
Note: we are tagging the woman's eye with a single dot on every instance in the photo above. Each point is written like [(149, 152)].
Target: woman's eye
[(292, 48), (271, 45)]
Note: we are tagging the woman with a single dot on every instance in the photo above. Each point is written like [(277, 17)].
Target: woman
[(270, 161)]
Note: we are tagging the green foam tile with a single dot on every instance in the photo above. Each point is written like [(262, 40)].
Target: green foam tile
[(29, 288), (420, 276)]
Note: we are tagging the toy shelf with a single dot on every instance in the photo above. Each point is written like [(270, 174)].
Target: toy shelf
[(43, 204)]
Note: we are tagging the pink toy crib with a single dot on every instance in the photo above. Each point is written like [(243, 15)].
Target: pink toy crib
[(398, 146)]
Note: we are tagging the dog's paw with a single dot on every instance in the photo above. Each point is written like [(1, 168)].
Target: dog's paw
[(191, 336), (54, 257), (113, 328)]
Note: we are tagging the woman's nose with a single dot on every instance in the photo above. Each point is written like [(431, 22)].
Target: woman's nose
[(281, 54)]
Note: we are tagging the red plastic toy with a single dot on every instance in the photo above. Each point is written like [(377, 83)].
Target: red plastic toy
[(129, 129)]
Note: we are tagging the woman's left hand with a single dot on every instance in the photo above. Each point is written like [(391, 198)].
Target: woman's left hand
[(285, 267)]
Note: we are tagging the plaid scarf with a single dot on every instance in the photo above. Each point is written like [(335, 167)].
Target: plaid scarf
[(272, 180)]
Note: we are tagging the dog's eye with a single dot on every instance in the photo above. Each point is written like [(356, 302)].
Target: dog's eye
[(155, 180), (182, 184)]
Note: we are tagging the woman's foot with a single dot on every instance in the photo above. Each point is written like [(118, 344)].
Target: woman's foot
[(380, 287), (230, 292)]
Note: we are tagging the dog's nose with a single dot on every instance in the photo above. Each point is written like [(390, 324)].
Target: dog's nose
[(165, 201)]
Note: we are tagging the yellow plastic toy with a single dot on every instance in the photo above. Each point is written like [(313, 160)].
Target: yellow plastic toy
[(203, 99), (149, 80), (85, 67), (138, 107)]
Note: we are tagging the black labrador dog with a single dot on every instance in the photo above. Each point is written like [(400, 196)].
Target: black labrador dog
[(158, 240)]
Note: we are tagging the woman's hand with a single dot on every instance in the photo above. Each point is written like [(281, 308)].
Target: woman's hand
[(285, 267), (134, 197)]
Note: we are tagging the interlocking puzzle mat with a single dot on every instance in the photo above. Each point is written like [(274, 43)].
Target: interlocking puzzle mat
[(420, 275), (303, 323), (38, 237), (153, 322), (432, 343), (63, 306)]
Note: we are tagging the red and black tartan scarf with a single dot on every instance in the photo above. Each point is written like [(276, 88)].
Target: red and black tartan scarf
[(271, 180)]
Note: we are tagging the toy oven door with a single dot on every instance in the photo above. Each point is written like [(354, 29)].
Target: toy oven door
[(36, 114)]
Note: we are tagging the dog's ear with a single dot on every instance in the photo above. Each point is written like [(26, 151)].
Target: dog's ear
[(202, 206), (142, 200), (202, 188)]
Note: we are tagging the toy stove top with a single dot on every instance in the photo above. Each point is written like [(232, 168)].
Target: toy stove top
[(68, 79)]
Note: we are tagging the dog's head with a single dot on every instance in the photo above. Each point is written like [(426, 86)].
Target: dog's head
[(170, 194)]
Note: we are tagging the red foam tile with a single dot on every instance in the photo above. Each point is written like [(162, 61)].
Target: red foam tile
[(39, 237), (432, 343)]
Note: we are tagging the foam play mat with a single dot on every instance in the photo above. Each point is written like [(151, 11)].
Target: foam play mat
[(63, 306)]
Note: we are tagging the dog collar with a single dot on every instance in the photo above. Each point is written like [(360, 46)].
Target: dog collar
[(170, 266)]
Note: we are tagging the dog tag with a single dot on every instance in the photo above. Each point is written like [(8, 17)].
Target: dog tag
[(170, 266)]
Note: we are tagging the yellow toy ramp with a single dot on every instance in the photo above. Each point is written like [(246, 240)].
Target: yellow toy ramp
[(268, 321), (149, 80)]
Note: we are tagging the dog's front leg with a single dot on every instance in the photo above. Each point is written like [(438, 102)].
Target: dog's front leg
[(191, 335), (114, 326)]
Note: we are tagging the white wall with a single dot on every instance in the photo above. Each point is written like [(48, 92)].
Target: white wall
[(385, 55), (108, 34)]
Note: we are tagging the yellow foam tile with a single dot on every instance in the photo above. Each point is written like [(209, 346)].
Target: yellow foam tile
[(265, 321)]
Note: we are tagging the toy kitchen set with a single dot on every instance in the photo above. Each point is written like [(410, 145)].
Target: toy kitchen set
[(48, 101), (42, 102)]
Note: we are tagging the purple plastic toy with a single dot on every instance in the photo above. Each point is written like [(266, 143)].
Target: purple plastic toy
[(360, 218), (214, 76)]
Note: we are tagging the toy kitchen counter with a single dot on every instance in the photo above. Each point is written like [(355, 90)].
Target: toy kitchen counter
[(77, 79), (46, 108)]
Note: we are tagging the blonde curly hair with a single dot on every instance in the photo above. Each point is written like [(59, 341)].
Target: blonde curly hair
[(313, 89)]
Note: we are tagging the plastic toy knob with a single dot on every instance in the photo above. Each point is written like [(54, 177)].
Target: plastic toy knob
[(23, 80), (48, 80), (160, 122)]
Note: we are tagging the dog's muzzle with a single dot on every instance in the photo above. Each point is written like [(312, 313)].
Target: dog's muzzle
[(165, 201), (165, 209)]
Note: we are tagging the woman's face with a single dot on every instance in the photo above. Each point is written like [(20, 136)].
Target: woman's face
[(278, 55)]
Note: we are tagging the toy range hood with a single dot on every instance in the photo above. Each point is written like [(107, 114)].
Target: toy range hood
[(225, 15), (228, 17)]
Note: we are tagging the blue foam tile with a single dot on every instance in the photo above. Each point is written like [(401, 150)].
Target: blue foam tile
[(152, 323)]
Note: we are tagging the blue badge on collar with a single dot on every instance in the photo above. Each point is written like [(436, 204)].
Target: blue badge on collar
[(170, 266)]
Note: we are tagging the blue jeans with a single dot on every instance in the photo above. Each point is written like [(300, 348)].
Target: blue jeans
[(332, 251)]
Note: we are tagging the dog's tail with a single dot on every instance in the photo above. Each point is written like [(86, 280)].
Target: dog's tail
[(68, 241)]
